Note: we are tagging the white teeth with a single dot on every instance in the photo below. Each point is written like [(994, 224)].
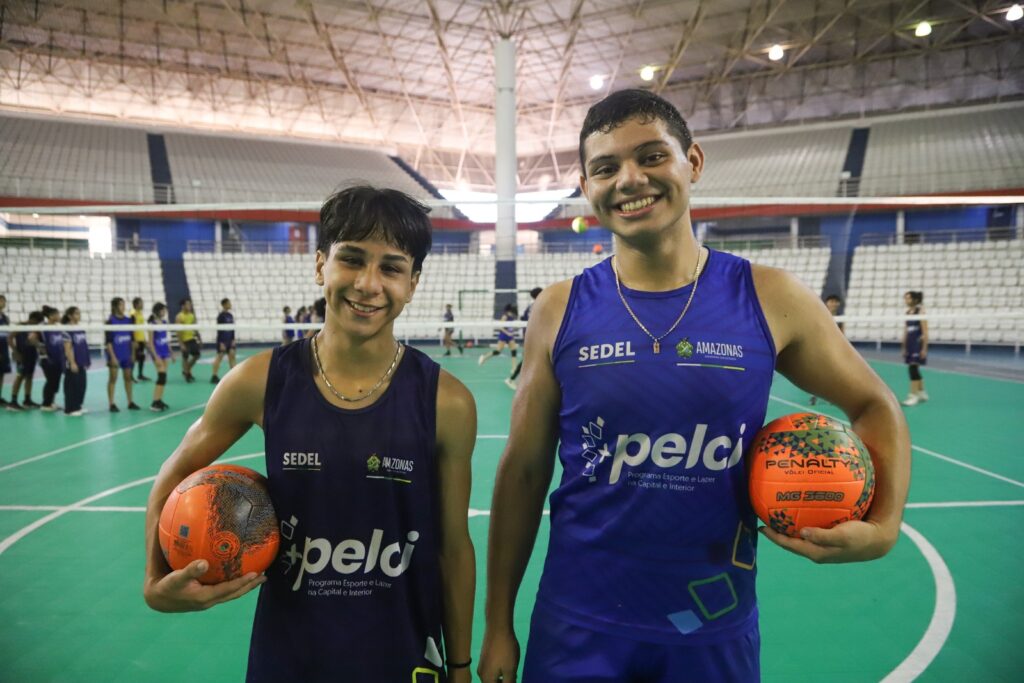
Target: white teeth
[(637, 205), (361, 308)]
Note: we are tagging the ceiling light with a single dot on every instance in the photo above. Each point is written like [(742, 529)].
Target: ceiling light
[(596, 82), (776, 53), (923, 29), (35, 215), (647, 73), (1014, 13)]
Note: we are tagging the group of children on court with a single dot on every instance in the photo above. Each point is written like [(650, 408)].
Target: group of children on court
[(375, 580), (65, 354)]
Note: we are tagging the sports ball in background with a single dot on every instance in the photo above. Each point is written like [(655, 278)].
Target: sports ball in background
[(809, 470), (579, 225), (222, 514)]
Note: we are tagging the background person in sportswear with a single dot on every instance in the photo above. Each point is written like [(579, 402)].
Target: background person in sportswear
[(5, 351), (139, 337), (25, 352), (390, 435), (506, 337), (225, 340), (53, 359), (914, 347), (162, 354), (76, 354), (525, 317), (119, 347), (189, 341), (631, 369), (833, 303), (448, 336)]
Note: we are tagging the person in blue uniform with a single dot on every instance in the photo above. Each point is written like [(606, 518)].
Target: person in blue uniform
[(289, 334), (506, 337), (77, 359), (52, 361), (368, 446), (914, 347), (650, 372), (160, 351), (120, 354), (510, 381), (225, 340), (25, 352), (448, 338), (5, 352)]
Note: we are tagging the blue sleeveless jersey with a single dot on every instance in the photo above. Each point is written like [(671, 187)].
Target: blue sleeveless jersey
[(912, 354), (355, 594), (54, 348), (652, 533), (121, 341)]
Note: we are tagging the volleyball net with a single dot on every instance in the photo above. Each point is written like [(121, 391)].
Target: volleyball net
[(964, 253)]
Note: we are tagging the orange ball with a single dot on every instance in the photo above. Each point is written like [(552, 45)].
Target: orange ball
[(809, 470), (222, 514)]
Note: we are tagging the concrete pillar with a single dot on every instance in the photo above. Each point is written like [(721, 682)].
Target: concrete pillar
[(505, 168)]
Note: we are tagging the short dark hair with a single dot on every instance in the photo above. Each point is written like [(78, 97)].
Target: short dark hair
[(137, 301), (623, 105), (184, 301), (916, 297), (158, 306), (535, 292), (114, 304), (49, 310), (362, 212), (68, 312), (320, 307), (225, 300), (35, 317)]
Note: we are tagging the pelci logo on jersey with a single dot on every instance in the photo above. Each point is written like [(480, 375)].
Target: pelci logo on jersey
[(666, 451), (391, 469)]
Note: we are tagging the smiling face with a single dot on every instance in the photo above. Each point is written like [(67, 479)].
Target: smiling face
[(637, 177), (367, 284)]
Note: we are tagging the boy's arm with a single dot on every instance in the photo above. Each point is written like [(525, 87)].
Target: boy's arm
[(521, 486), (818, 358), (236, 404), (456, 437)]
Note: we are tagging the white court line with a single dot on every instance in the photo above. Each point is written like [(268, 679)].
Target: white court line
[(916, 448), (80, 505), (941, 624), (922, 655), (43, 508), (492, 436), (101, 437)]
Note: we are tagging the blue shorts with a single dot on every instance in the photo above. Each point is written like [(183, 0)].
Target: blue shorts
[(507, 338), (124, 362), (561, 652)]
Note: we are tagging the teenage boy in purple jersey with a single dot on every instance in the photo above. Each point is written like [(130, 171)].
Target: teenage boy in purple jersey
[(368, 446), (650, 372)]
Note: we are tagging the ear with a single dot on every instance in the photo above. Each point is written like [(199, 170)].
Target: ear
[(415, 283), (695, 155), (583, 186), (321, 261)]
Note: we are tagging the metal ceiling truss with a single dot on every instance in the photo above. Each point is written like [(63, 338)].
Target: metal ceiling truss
[(417, 78)]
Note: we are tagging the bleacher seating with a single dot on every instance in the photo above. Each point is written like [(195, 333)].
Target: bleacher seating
[(221, 169), (56, 159), (955, 277), (809, 264), (259, 286), (978, 150), (34, 276), (774, 164)]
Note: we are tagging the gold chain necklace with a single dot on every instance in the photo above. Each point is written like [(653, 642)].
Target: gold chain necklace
[(657, 340), (371, 392)]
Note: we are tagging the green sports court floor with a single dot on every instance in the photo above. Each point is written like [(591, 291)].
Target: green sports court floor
[(947, 604)]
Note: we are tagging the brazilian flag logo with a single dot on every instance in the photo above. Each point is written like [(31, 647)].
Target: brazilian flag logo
[(684, 349), (373, 463)]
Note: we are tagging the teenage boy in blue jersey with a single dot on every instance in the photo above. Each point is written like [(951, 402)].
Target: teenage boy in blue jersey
[(652, 371), (379, 497)]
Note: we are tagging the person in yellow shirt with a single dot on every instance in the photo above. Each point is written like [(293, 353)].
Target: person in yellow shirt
[(189, 341), (139, 338)]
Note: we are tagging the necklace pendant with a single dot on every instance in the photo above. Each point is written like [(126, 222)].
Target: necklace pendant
[(657, 346)]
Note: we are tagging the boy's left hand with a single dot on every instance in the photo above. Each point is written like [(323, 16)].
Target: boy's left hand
[(853, 541)]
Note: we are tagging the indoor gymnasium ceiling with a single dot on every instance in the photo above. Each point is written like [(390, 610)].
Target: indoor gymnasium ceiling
[(418, 77)]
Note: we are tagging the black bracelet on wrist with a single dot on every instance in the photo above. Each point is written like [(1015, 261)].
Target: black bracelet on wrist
[(459, 665)]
